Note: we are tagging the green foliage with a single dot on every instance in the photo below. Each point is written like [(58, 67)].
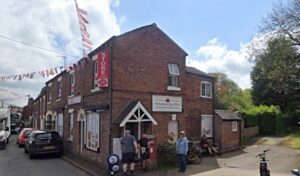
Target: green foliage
[(276, 75), (166, 154), (268, 118), (228, 95)]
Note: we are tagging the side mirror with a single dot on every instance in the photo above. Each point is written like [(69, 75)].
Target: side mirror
[(296, 172), (7, 129)]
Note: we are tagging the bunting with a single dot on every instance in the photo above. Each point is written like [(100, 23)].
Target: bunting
[(85, 36), (46, 72)]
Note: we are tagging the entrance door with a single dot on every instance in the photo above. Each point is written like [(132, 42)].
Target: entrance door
[(134, 129)]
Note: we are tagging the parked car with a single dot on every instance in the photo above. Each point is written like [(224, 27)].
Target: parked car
[(22, 136), (43, 142)]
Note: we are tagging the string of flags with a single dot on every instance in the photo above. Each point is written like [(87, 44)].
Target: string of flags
[(85, 36), (46, 72), (86, 44)]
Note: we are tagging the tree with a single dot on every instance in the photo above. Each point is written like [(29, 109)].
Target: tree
[(284, 19), (276, 75), (229, 95)]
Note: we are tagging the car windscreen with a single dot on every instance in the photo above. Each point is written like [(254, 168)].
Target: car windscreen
[(27, 132), (43, 136), (55, 135)]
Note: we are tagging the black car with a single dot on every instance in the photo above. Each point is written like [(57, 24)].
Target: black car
[(43, 142)]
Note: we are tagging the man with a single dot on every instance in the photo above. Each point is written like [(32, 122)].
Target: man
[(144, 150), (208, 146), (129, 150)]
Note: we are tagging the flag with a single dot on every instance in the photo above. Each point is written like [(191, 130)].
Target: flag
[(79, 10)]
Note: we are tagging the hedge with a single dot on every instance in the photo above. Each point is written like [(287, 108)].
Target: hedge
[(269, 119)]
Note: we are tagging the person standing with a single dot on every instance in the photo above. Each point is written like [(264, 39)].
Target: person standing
[(181, 151), (144, 151), (129, 150)]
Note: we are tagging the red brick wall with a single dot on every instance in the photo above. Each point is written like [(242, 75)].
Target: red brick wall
[(225, 137), (195, 105)]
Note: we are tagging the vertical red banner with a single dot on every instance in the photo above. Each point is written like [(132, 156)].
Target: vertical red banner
[(103, 69)]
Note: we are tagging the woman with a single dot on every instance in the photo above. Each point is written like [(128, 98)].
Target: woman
[(181, 151)]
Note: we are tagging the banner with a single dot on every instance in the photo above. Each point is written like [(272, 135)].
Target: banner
[(103, 69)]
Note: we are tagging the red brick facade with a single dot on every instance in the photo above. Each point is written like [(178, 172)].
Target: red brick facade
[(139, 70)]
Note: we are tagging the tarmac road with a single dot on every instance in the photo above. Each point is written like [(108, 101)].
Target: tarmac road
[(14, 162)]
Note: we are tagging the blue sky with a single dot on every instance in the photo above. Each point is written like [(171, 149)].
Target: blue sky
[(191, 23), (215, 33)]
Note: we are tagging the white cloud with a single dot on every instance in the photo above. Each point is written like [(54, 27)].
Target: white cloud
[(216, 57), (49, 24)]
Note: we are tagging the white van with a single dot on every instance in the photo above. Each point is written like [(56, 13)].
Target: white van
[(4, 127)]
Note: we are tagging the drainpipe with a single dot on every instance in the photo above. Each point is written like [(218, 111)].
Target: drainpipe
[(110, 145)]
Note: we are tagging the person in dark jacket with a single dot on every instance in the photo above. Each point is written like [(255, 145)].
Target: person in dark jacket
[(144, 151), (205, 144), (181, 151)]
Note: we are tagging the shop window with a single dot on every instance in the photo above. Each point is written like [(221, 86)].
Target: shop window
[(92, 131), (71, 125), (206, 89)]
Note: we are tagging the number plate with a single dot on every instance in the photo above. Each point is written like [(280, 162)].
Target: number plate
[(49, 147)]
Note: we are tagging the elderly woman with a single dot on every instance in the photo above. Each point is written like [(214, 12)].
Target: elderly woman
[(181, 150)]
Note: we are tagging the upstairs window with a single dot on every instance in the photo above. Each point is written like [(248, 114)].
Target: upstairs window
[(206, 89), (173, 75), (95, 74), (59, 89), (49, 93), (72, 84)]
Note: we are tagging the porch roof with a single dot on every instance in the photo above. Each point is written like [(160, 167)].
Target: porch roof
[(124, 116)]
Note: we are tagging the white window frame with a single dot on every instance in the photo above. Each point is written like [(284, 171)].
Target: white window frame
[(49, 94), (59, 90), (95, 76), (72, 84), (92, 130), (173, 70), (71, 124), (210, 90), (60, 124), (234, 126)]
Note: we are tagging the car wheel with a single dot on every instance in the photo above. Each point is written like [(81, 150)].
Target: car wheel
[(31, 155), (7, 141), (20, 146)]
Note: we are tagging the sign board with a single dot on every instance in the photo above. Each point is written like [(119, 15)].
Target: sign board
[(103, 69), (173, 131), (74, 100), (166, 103)]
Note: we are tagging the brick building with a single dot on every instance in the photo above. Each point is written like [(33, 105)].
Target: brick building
[(148, 89)]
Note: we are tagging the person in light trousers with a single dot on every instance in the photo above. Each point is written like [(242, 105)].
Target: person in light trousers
[(181, 151)]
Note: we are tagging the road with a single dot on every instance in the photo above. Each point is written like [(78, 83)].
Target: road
[(14, 162)]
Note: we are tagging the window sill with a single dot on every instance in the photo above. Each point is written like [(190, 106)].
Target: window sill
[(49, 102), (58, 100), (95, 89), (70, 139), (205, 96), (70, 96), (173, 88)]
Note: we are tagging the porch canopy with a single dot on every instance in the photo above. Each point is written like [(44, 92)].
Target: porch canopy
[(134, 111)]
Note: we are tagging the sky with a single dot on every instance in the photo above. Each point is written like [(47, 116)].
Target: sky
[(214, 33)]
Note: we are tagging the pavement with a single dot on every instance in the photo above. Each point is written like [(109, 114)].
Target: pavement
[(240, 162), (13, 161)]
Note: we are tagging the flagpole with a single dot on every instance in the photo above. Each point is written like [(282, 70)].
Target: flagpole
[(76, 6)]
